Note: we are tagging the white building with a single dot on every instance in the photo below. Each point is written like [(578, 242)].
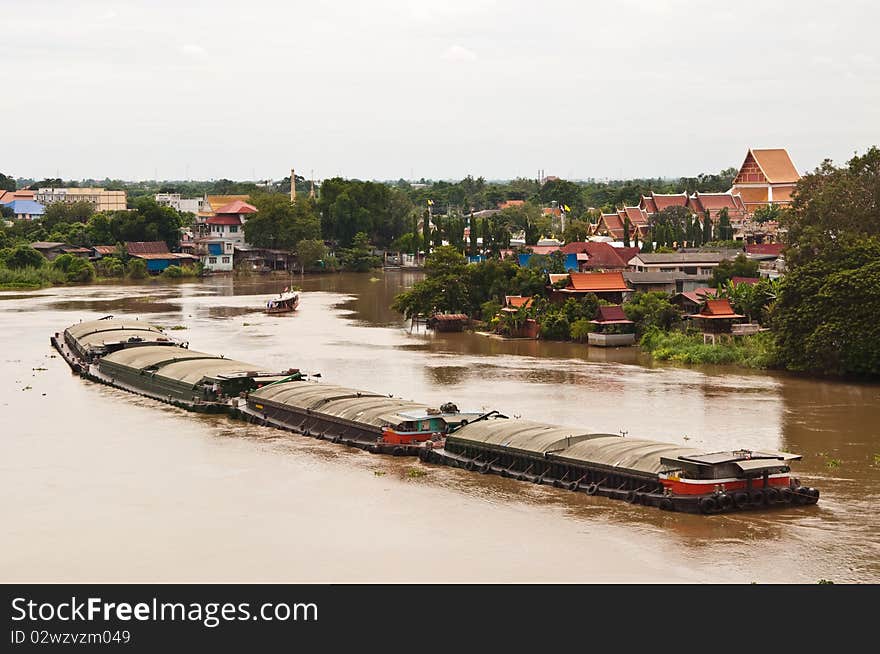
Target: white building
[(221, 233), (173, 200)]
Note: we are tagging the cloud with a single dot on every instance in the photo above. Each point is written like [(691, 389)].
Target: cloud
[(459, 53), (194, 51)]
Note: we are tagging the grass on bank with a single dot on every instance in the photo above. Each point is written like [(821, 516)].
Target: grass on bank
[(752, 351)]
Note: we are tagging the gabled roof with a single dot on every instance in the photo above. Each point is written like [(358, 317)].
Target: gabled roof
[(637, 215), (719, 308), (105, 249), (611, 315), (516, 301), (776, 165), (715, 202), (46, 245), (236, 206), (575, 247), (663, 200), (602, 255), (146, 247), (647, 203), (697, 295), (21, 194), (605, 282), (218, 201), (511, 203), (681, 257), (626, 254), (542, 249), (613, 224)]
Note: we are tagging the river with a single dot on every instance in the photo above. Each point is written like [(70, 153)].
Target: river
[(101, 485)]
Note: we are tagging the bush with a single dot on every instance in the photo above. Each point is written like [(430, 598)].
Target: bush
[(754, 351), (580, 328), (30, 277), (555, 327), (23, 256), (177, 272), (75, 269), (136, 268), (110, 267), (651, 310), (489, 309)]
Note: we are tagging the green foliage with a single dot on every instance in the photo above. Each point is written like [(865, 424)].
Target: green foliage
[(7, 183), (767, 213), (280, 223), (60, 213), (752, 300), (136, 268), (489, 309), (580, 328), (652, 310), (23, 256), (739, 267), (23, 278), (555, 327), (178, 272), (754, 351), (358, 257), (311, 253), (349, 207), (75, 269), (109, 267)]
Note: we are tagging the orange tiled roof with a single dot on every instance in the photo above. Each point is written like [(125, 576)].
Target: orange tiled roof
[(218, 201), (753, 195), (236, 206), (661, 201), (517, 301), (511, 203), (604, 282), (647, 203), (776, 165), (613, 224), (719, 308)]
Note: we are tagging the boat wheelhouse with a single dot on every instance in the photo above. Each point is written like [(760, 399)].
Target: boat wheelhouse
[(286, 302)]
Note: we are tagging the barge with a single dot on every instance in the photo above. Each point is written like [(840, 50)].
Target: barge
[(140, 358), (363, 419), (652, 473)]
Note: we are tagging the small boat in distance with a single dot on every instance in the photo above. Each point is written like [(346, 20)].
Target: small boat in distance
[(286, 302)]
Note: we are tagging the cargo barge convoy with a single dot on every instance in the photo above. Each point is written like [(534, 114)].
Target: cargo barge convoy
[(140, 358)]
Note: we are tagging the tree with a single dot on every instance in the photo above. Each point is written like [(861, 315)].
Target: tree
[(739, 267), (59, 213), (310, 253), (626, 231), (707, 228), (280, 223), (576, 231), (651, 309), (148, 221), (426, 230), (359, 257), (825, 319), (767, 213), (75, 269), (725, 231), (472, 233), (563, 192), (7, 183), (24, 256)]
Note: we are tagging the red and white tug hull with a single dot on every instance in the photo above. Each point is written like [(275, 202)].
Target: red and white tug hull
[(680, 486)]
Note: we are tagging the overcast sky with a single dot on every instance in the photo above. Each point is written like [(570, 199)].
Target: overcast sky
[(440, 89)]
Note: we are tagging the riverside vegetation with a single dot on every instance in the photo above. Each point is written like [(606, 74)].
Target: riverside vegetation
[(821, 317)]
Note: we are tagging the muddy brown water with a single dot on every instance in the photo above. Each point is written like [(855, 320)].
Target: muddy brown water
[(101, 485)]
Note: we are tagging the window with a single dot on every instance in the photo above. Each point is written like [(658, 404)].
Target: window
[(225, 259), (233, 229), (212, 259)]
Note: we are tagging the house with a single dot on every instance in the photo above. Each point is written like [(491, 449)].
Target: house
[(260, 259), (26, 209), (597, 255), (101, 251), (221, 233), (608, 286), (646, 282), (690, 301), (767, 176), (750, 281), (156, 255), (613, 328), (9, 196), (716, 319), (49, 249), (689, 263)]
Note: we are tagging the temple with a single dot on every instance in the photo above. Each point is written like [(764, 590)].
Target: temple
[(766, 177)]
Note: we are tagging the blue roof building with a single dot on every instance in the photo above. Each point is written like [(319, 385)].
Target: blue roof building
[(26, 209)]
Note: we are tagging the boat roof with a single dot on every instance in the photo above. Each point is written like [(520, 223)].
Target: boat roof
[(95, 326)]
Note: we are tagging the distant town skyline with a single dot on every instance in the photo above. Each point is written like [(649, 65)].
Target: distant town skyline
[(388, 89)]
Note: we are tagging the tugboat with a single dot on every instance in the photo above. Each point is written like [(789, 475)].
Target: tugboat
[(414, 427), (286, 302)]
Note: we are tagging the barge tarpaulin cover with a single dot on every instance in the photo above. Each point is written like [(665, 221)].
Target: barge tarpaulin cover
[(178, 372), (342, 411), (93, 336)]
